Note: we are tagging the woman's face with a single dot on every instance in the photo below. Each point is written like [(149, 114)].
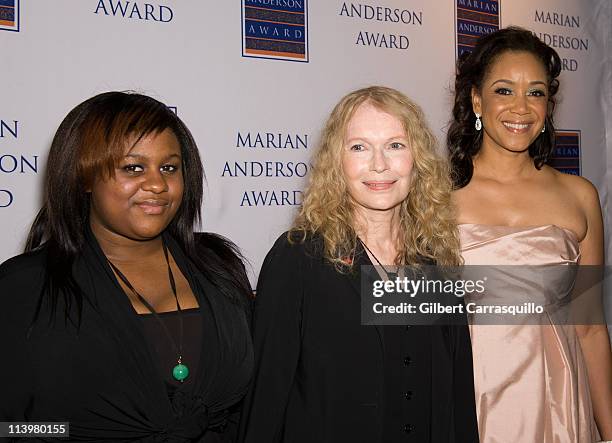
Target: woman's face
[(513, 101), (376, 159), (146, 192)]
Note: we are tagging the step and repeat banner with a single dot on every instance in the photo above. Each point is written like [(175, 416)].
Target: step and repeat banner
[(255, 79)]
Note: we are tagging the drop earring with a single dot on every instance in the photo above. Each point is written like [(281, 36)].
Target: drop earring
[(478, 124), (544, 128)]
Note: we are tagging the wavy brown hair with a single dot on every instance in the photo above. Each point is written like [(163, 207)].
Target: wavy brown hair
[(426, 216), (463, 140)]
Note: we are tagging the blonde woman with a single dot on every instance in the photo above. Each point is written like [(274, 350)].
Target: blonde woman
[(378, 194)]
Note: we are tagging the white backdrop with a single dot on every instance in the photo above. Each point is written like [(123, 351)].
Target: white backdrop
[(190, 55)]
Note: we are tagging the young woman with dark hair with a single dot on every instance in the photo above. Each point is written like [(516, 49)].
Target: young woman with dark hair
[(119, 318), (547, 382)]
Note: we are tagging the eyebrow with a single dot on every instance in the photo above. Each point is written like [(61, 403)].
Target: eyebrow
[(138, 156), (503, 80), (395, 137)]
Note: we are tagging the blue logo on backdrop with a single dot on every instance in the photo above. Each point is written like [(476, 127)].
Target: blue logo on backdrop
[(9, 15), (276, 29), (474, 18), (566, 156), (134, 10)]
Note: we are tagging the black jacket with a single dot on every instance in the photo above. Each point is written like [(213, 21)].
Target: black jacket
[(319, 374), (102, 378)]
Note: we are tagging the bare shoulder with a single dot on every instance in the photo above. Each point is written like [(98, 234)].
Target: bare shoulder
[(586, 197), (580, 188), (461, 201), (457, 195), (460, 191), (462, 195)]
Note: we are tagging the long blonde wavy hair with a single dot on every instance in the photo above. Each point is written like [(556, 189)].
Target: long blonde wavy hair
[(426, 216)]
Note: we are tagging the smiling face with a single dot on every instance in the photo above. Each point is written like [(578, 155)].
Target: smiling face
[(513, 101), (141, 200), (376, 160)]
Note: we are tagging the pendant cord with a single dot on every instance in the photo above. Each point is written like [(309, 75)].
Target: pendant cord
[(388, 274), (178, 349)]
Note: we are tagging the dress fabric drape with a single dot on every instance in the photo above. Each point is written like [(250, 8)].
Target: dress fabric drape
[(530, 379)]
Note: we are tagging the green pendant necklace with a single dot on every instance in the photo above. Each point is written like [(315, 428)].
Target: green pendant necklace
[(180, 371)]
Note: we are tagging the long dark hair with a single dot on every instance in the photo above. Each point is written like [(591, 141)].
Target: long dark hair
[(463, 141), (88, 144)]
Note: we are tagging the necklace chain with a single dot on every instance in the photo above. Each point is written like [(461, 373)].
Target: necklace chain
[(388, 274), (177, 348)]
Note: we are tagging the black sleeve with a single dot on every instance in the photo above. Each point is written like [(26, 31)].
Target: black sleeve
[(20, 286), (466, 425), (277, 322)]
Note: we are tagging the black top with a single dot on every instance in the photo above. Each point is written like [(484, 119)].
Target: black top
[(103, 378), (164, 351), (407, 384), (320, 376)]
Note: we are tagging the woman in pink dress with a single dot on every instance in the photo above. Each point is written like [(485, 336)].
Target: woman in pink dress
[(534, 383)]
